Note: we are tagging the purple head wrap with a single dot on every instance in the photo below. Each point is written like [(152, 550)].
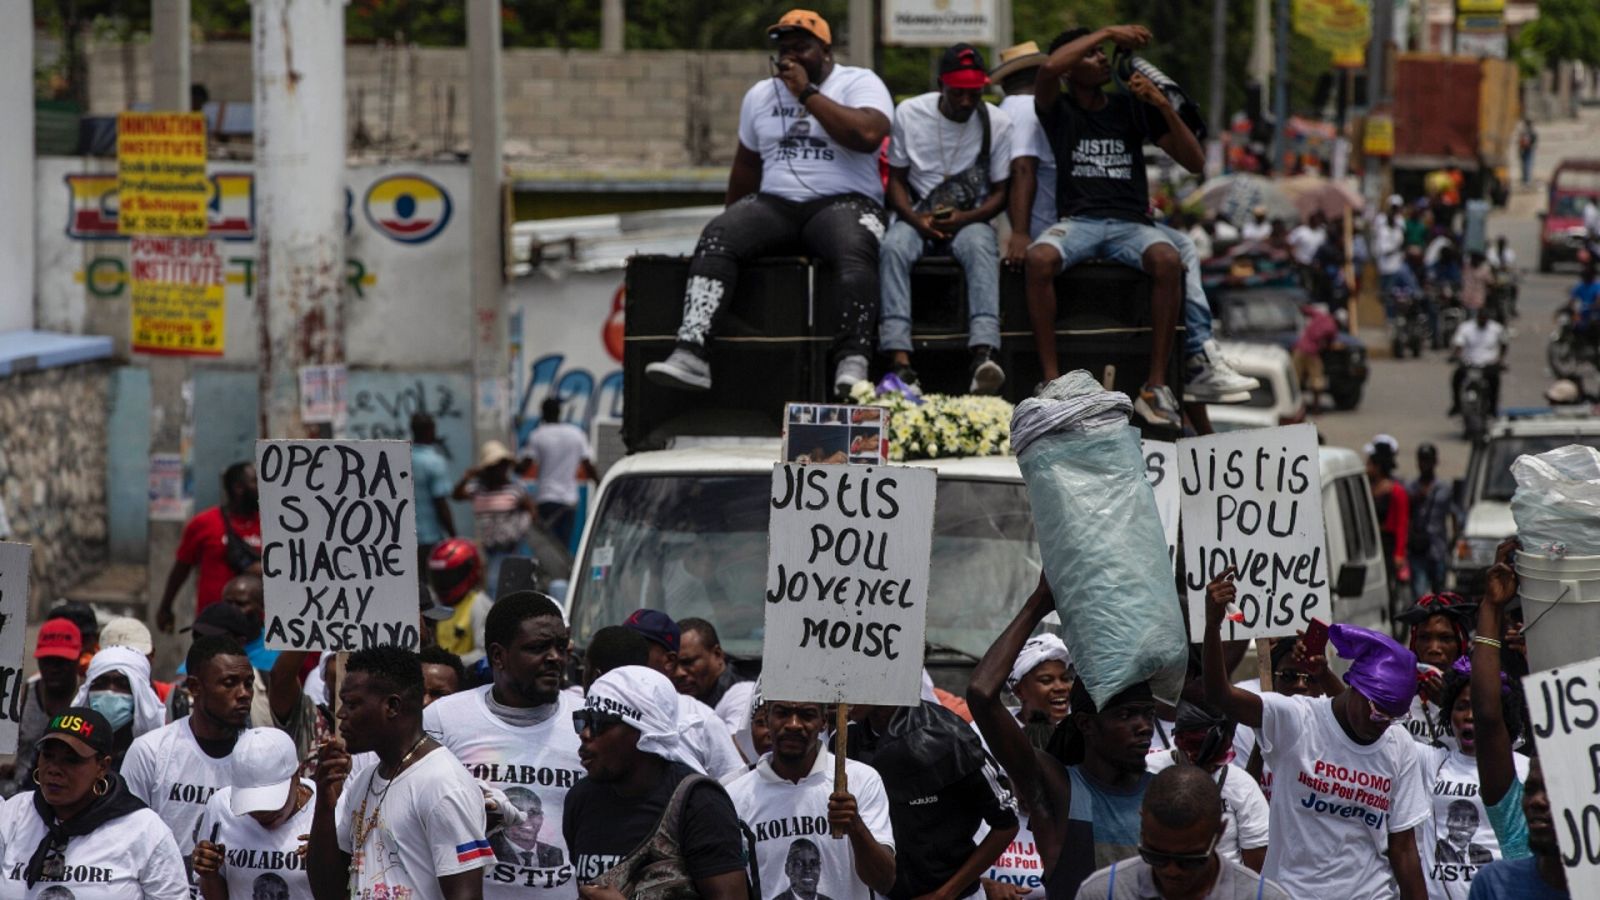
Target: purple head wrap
[(1382, 670)]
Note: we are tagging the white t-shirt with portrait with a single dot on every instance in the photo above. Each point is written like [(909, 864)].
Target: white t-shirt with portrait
[(800, 160), (428, 822), (1027, 139), (1458, 839), (1244, 808), (1335, 802), (935, 148), (259, 864), (131, 857), (790, 824), (535, 762), (168, 771)]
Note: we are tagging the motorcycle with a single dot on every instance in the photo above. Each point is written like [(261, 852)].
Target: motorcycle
[(1447, 300), (1503, 296), (1408, 329), (1569, 350), (1474, 401)]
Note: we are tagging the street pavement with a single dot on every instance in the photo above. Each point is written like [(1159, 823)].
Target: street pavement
[(1408, 398)]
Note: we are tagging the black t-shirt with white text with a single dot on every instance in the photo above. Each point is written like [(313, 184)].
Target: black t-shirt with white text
[(1100, 156), (601, 827), (937, 831)]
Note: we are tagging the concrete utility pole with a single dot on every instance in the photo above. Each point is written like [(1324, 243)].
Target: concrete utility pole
[(1003, 29), (485, 125), (863, 35), (613, 27), (1280, 88), (169, 92), (1218, 119), (300, 150), (16, 165), (1261, 49)]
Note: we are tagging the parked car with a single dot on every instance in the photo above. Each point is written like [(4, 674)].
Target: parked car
[(1269, 313), (1277, 401), (1575, 183)]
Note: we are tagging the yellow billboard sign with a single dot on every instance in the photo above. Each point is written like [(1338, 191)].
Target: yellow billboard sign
[(176, 288), (161, 174)]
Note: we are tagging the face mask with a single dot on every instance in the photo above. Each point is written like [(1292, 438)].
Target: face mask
[(117, 708)]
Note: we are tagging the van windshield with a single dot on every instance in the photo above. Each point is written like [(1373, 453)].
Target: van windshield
[(697, 546), (1498, 483)]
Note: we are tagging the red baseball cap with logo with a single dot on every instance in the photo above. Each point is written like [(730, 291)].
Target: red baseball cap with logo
[(962, 67), (58, 638)]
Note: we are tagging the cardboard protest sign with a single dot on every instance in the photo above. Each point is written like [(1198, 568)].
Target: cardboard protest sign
[(847, 583), (1161, 471), (1564, 712), (14, 560), (339, 544), (1253, 500)]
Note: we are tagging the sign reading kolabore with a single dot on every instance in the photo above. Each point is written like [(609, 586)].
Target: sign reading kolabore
[(339, 544), (1564, 712), (1253, 500), (847, 583), (14, 560)]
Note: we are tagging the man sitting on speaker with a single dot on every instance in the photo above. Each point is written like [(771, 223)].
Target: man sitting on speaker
[(806, 170), (1102, 196), (949, 160)]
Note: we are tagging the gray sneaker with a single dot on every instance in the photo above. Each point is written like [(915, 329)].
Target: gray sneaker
[(852, 370), (1156, 405), (683, 371)]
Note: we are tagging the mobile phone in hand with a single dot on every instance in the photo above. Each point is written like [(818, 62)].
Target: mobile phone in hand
[(943, 213), (1316, 638)]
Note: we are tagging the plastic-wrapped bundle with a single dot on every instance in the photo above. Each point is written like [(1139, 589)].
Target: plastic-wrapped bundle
[(1099, 535), (1557, 502)]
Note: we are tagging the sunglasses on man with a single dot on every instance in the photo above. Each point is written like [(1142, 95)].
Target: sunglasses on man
[(1188, 862), (595, 721)]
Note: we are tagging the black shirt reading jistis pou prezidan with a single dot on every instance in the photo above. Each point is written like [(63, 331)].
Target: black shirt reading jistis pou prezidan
[(1100, 157)]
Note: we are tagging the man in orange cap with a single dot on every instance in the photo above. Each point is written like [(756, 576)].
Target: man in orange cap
[(806, 172)]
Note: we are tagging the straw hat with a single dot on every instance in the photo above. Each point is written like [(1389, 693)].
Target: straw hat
[(1025, 55)]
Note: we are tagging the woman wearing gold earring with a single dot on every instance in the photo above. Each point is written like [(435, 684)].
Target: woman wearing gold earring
[(81, 835)]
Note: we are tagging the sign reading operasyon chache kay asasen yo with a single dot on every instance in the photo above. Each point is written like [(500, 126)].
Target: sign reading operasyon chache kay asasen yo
[(14, 560), (847, 583), (339, 544), (1253, 500), (1564, 714)]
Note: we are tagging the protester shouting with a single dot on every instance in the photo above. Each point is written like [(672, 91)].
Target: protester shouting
[(49, 693), (1180, 826), (1041, 680), (117, 686), (81, 834), (1204, 738), (221, 542), (251, 830), (1438, 624), (516, 734), (1460, 838), (703, 672), (1082, 794), (789, 803), (176, 769), (413, 824), (1348, 792), (641, 795), (1539, 876), (1500, 781)]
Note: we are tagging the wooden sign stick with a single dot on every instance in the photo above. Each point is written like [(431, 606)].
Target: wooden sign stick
[(841, 782)]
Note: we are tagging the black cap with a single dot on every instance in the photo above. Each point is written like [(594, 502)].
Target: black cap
[(81, 728), (225, 619), (962, 66)]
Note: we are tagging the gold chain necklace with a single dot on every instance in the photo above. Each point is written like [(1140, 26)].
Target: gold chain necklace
[(364, 825)]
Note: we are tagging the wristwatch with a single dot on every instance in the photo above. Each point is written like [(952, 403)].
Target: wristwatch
[(806, 93)]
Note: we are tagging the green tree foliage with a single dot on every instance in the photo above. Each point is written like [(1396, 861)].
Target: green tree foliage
[(72, 21), (1566, 31)]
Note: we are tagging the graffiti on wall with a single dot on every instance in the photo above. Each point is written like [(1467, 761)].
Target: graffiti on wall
[(567, 360)]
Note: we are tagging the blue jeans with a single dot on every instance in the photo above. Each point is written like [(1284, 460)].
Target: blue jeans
[(978, 251), (1196, 309), (1427, 575)]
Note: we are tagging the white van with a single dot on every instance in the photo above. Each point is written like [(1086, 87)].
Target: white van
[(685, 531)]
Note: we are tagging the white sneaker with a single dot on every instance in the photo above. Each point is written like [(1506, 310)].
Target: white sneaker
[(851, 371), (1209, 378), (682, 371)]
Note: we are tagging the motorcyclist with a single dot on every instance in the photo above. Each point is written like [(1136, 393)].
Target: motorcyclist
[(1585, 303), (1478, 343)]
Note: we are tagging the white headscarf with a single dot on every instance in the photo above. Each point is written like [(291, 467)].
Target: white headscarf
[(647, 703), (1040, 648), (148, 712)]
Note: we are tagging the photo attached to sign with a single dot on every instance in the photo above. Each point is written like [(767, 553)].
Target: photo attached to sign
[(1564, 717), (339, 544), (1252, 500), (847, 583), (14, 560), (832, 433)]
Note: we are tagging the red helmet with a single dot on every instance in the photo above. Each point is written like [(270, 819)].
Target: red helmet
[(453, 569)]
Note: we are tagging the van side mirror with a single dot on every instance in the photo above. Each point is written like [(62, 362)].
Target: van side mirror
[(1458, 492), (1352, 580)]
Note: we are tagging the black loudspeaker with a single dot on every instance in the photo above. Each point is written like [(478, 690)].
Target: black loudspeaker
[(762, 355)]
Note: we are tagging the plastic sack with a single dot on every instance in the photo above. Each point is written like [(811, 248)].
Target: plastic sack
[(1100, 540), (1557, 501)]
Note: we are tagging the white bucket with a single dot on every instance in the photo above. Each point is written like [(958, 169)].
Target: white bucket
[(1563, 596)]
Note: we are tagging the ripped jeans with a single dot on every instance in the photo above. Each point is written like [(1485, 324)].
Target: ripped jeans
[(842, 230)]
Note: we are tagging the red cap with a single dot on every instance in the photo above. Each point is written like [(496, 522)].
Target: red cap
[(961, 67), (58, 638)]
